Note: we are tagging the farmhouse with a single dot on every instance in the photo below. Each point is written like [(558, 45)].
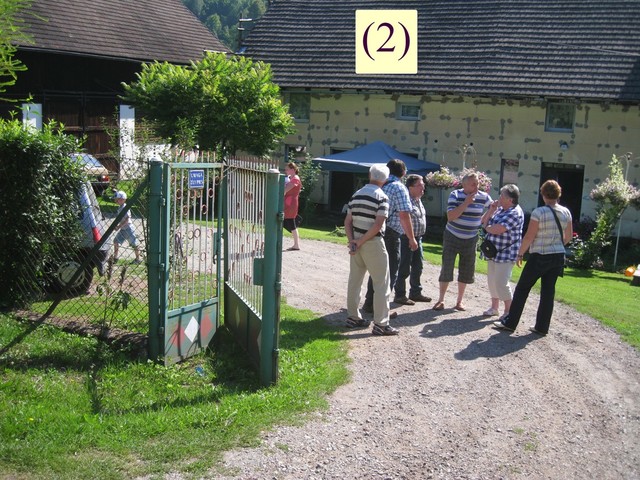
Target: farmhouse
[(81, 52), (526, 90)]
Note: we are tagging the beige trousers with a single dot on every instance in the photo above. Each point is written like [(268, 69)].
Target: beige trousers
[(370, 257)]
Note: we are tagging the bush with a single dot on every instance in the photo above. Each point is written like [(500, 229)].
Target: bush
[(612, 197), (309, 174), (38, 181)]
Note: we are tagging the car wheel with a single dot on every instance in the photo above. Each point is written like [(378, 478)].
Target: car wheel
[(63, 273)]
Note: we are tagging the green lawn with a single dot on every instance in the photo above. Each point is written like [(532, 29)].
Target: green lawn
[(74, 408)]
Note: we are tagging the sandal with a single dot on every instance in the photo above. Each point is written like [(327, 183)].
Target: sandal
[(459, 307), (438, 306), (292, 248)]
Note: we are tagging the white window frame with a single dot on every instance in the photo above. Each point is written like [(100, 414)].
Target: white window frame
[(401, 114), (560, 117)]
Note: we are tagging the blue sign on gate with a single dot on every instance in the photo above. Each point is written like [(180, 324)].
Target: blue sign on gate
[(196, 179)]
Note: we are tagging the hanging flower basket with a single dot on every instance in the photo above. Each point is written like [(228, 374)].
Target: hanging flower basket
[(443, 178)]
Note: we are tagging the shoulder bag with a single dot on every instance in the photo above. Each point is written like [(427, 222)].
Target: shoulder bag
[(489, 250)]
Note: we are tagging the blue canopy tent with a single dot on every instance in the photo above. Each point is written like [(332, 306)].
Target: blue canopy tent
[(345, 172), (361, 158)]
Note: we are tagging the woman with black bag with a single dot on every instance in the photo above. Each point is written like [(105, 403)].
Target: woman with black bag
[(550, 229), (503, 226)]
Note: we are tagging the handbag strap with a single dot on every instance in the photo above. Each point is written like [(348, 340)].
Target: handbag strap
[(557, 223)]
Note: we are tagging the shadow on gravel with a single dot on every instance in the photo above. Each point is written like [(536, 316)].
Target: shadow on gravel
[(497, 345), (448, 327)]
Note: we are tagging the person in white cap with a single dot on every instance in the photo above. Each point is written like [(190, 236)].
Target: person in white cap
[(124, 228)]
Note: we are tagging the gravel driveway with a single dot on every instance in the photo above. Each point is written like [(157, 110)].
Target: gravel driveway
[(453, 398)]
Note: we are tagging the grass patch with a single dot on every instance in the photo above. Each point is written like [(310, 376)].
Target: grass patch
[(75, 408)]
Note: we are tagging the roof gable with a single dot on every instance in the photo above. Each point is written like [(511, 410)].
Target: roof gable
[(560, 48), (138, 30)]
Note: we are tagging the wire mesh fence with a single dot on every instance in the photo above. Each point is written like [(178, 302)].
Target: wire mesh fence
[(93, 272)]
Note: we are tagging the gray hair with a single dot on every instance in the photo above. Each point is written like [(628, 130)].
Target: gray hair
[(379, 172), (412, 179), (511, 191), (469, 175)]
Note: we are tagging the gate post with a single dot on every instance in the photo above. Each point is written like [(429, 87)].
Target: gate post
[(156, 315), (274, 215)]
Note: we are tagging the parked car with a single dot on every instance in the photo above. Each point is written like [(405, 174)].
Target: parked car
[(93, 225), (97, 173)]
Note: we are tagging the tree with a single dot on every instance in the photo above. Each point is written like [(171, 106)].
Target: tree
[(10, 34), (196, 6), (218, 103), (221, 16)]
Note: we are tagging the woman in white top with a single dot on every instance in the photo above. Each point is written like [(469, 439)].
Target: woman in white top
[(550, 229)]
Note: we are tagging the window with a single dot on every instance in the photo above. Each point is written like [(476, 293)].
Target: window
[(296, 153), (408, 111), (560, 117), (299, 106), (509, 172)]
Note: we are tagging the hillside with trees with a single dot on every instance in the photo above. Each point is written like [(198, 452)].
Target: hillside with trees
[(221, 16)]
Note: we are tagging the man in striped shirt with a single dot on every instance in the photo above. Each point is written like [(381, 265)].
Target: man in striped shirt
[(465, 208), (364, 225), (398, 224)]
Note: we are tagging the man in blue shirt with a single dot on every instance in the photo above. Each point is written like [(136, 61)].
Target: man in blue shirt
[(465, 208)]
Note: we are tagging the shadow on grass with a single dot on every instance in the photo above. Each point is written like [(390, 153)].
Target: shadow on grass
[(295, 334), (58, 356), (611, 276), (229, 367)]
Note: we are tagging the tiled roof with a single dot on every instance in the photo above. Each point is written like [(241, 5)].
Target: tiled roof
[(139, 30), (586, 49)]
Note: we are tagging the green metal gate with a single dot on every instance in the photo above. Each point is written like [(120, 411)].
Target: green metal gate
[(183, 252), (195, 209), (253, 260)]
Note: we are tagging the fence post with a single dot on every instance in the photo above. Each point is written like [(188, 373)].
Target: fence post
[(274, 215), (153, 258)]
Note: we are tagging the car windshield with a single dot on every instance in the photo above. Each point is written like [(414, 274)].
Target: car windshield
[(88, 159)]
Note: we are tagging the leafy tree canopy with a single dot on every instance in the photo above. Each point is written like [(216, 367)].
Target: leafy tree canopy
[(10, 34), (217, 103)]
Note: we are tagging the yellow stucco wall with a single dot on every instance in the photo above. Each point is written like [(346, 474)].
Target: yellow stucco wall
[(497, 129)]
